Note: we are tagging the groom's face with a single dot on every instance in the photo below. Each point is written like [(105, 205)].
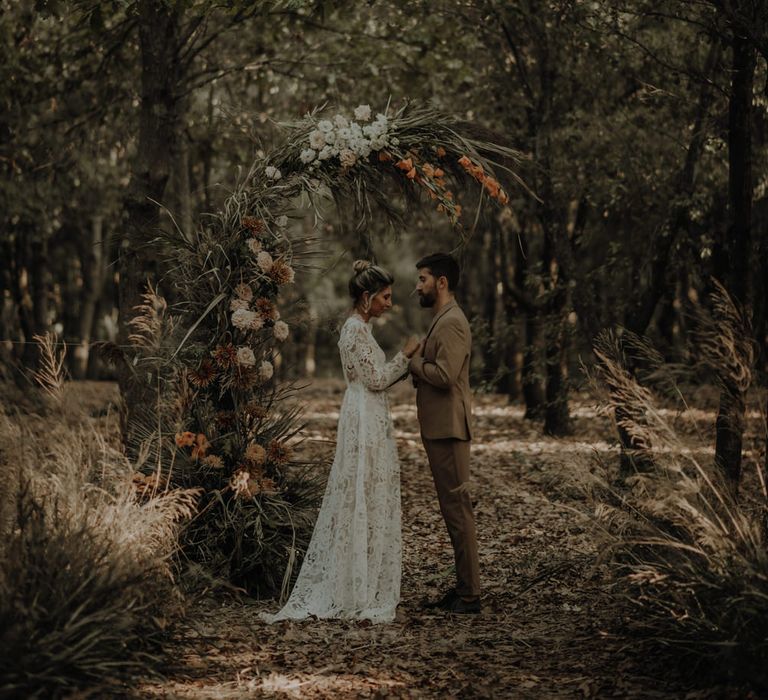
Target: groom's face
[(426, 288)]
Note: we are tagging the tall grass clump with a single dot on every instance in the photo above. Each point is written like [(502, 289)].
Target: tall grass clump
[(86, 587), (691, 559)]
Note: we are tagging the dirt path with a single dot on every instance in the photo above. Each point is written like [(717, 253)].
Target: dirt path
[(550, 627)]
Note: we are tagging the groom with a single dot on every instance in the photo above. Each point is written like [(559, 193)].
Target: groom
[(441, 375)]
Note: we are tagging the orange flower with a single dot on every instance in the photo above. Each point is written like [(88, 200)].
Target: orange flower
[(492, 186), (439, 172), (385, 156), (411, 174), (185, 439), (405, 164), (440, 208), (429, 171), (448, 195), (440, 152), (503, 197), (200, 447), (457, 210), (465, 162), (278, 453)]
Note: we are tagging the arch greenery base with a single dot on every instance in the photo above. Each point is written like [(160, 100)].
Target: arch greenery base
[(220, 423)]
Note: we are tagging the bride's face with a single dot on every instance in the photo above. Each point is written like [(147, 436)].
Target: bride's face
[(381, 302)]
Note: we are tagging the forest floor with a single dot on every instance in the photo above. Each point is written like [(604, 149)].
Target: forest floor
[(550, 626)]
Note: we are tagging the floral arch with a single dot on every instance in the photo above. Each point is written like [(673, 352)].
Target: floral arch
[(221, 424)]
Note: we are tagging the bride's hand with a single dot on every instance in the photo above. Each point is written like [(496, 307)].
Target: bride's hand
[(412, 346)]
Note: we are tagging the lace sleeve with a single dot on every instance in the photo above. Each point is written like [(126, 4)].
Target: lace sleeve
[(366, 362)]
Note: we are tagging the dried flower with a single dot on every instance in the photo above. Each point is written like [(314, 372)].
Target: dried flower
[(204, 375), (244, 291), (200, 447), (280, 330), (185, 439), (272, 173), (214, 461), (405, 164), (256, 454), (282, 272), (317, 139), (225, 355), (246, 320), (266, 371), (440, 152), (245, 357), (254, 245), (278, 453), (264, 260), (267, 309), (363, 113), (255, 226), (238, 304), (307, 155), (239, 483), (347, 158)]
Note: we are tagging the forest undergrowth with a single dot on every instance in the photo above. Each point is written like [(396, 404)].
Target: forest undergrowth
[(554, 623)]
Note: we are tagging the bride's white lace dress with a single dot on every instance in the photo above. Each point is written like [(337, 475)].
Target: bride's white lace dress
[(353, 563)]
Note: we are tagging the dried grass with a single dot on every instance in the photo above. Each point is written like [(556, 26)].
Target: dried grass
[(86, 585), (693, 561)]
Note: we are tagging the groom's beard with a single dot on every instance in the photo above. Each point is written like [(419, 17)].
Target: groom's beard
[(427, 300)]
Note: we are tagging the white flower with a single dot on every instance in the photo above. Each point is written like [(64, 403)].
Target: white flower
[(244, 291), (282, 221), (363, 113), (382, 118), (245, 319), (325, 126), (340, 121), (280, 330), (307, 155), (325, 153), (317, 139), (264, 260), (272, 172), (395, 141), (245, 357), (238, 305), (347, 158), (254, 245), (266, 371), (343, 135), (239, 483)]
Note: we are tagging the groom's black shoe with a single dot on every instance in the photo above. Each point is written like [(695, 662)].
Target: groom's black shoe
[(464, 607), (442, 603)]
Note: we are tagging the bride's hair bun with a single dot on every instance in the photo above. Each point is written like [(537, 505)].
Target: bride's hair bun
[(368, 278)]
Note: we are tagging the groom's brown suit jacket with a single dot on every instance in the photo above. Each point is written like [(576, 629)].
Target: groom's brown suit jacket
[(443, 397)]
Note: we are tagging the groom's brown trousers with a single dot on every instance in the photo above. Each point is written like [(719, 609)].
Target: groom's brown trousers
[(449, 462)]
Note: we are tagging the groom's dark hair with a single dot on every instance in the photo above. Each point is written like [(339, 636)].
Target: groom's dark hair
[(442, 265)]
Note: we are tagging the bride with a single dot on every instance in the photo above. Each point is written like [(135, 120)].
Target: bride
[(353, 561)]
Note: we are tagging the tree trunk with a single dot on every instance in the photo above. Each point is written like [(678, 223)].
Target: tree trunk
[(487, 284), (530, 376), (730, 417), (160, 125), (556, 415), (508, 383), (92, 264)]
